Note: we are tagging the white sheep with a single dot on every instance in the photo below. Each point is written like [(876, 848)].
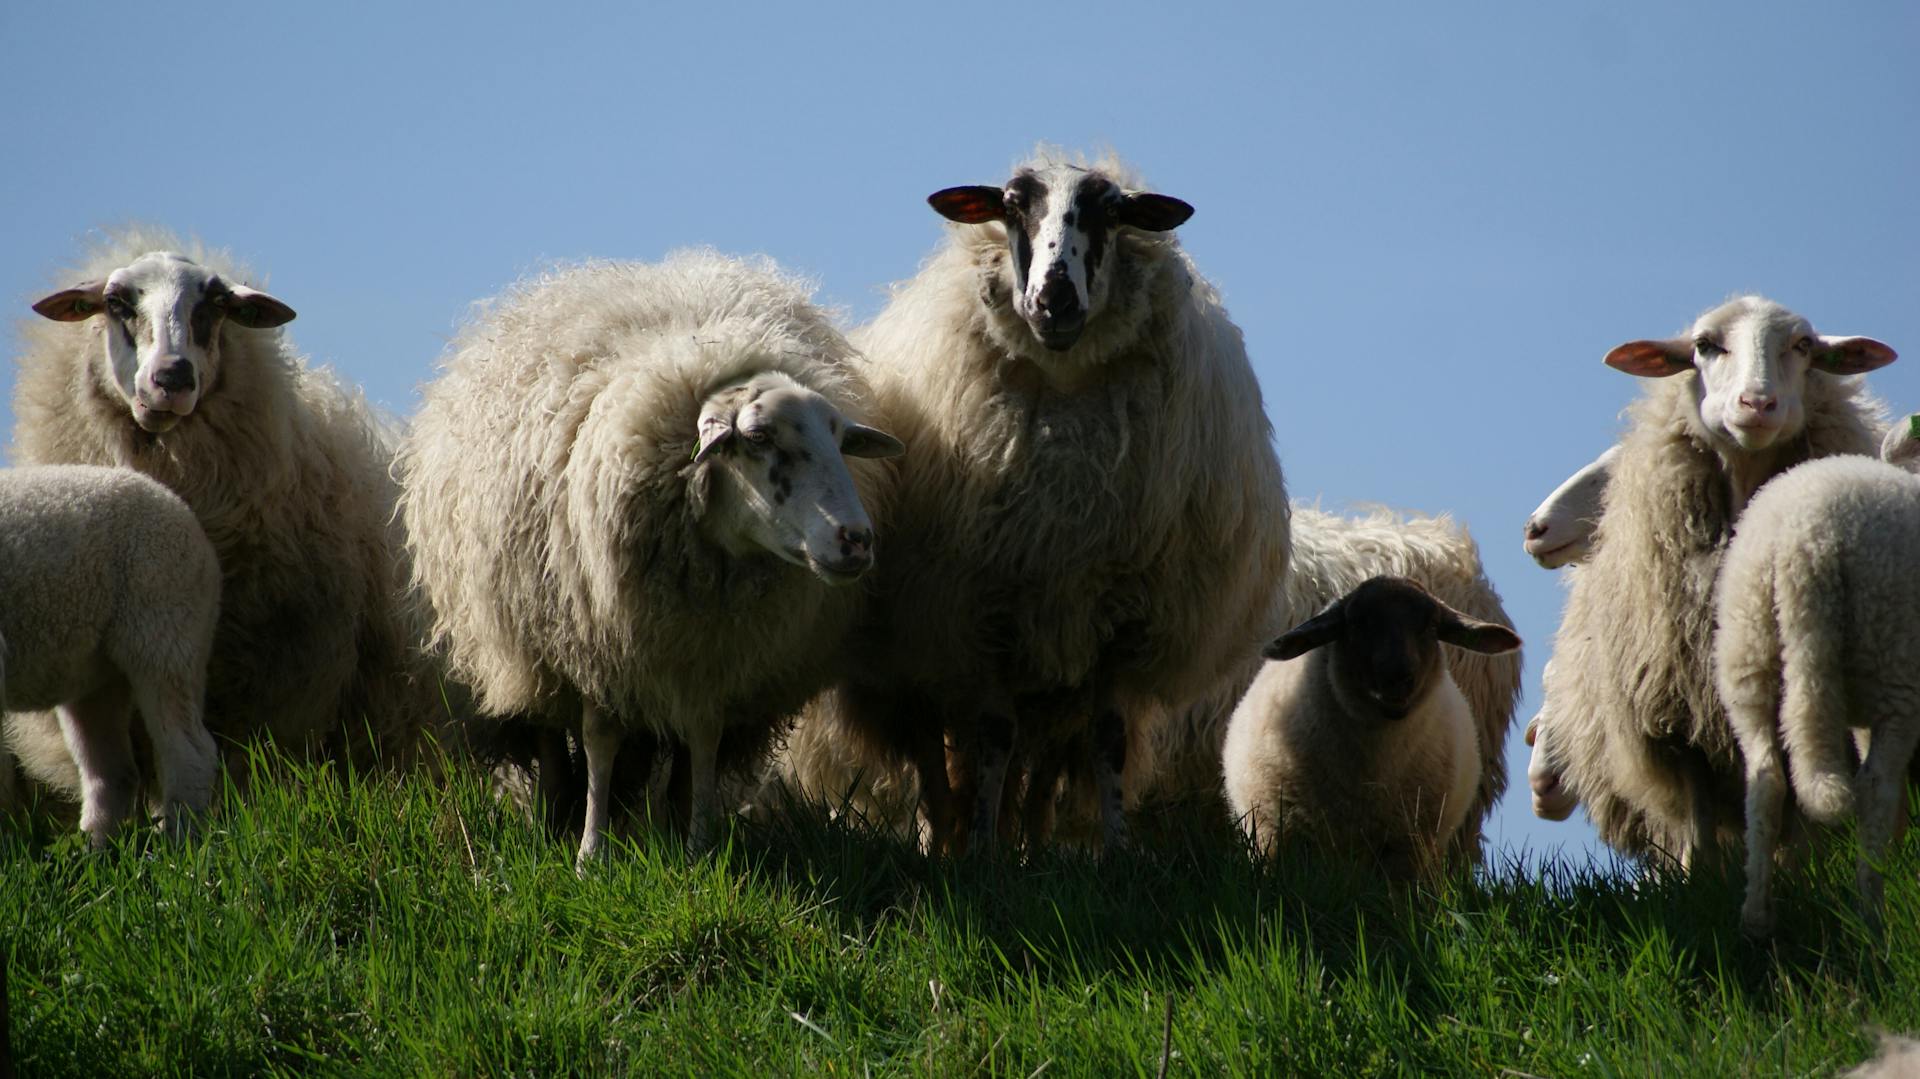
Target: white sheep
[(1631, 719), (1815, 609), (1091, 516), (109, 592), (1365, 745), (169, 365), (1559, 531), (628, 507)]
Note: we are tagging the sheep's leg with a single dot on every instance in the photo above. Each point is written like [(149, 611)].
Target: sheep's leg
[(703, 753), (600, 737), (1766, 801), (557, 790), (96, 729), (1109, 761), (184, 758), (929, 759), (1881, 797), (995, 754), (1043, 781), (1702, 853)]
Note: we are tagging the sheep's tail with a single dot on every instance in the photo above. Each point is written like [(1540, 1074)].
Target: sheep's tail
[(1813, 711)]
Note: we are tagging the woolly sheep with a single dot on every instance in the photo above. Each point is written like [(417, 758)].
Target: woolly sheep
[(1091, 515), (1365, 745), (1632, 720), (627, 505), (168, 365), (1815, 610), (109, 592)]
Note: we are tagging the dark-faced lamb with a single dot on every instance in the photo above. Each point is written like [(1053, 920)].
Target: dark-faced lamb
[(1816, 642), (109, 592), (171, 365), (1631, 719), (631, 506), (1365, 745)]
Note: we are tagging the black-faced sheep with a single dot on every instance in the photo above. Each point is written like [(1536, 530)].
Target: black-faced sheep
[(628, 506), (1815, 609), (1631, 719), (171, 366), (109, 592), (1365, 746), (1091, 516)]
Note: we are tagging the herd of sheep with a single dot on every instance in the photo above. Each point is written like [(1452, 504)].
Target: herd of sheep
[(1013, 564)]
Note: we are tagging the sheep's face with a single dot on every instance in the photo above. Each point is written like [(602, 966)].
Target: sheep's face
[(1553, 798), (1061, 222), (770, 475), (163, 316), (1385, 637), (1751, 357), (1560, 530)]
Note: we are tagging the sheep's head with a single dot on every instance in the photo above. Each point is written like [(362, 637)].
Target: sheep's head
[(1553, 798), (1560, 530), (1386, 636), (1061, 221), (163, 318), (1901, 447), (770, 475), (1751, 357)]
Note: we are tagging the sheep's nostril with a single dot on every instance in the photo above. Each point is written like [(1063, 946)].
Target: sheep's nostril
[(1536, 529), (855, 540), (174, 377)]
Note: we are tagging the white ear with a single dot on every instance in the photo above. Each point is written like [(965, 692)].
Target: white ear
[(716, 427)]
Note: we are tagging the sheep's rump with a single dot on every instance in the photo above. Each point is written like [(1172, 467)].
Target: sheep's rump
[(1637, 721), (548, 506), (287, 471)]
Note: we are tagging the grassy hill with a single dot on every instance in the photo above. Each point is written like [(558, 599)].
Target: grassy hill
[(385, 927)]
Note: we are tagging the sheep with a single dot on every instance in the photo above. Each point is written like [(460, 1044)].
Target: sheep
[(167, 364), (1365, 745), (109, 593), (627, 505), (1814, 609), (1632, 720), (1559, 531), (1091, 514)]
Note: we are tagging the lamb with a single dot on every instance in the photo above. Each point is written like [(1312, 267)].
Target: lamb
[(628, 508), (111, 593), (1560, 530), (1815, 608), (167, 364), (1087, 528), (1366, 745), (1633, 722)]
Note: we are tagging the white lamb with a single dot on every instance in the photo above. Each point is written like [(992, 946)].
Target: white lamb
[(1632, 721), (1816, 607), (1559, 531), (628, 506), (109, 592), (1365, 746), (1091, 519), (169, 365)]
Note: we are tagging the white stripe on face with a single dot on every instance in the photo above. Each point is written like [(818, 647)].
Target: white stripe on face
[(1059, 242)]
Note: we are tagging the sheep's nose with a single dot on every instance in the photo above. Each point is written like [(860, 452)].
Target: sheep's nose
[(855, 542), (174, 376), (1759, 403), (1536, 528), (1057, 296)]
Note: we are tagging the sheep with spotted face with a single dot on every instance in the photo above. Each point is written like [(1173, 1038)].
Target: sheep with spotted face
[(635, 506), (1815, 641), (1091, 515), (169, 364), (1365, 746), (109, 593), (1631, 720)]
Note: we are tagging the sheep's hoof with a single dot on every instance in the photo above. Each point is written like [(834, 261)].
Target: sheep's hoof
[(592, 856), (1756, 925)]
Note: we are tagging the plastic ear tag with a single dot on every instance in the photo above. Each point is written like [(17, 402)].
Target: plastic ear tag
[(1913, 426)]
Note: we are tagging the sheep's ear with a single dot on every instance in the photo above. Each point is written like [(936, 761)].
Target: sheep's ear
[(1154, 213), (252, 308), (1321, 629), (859, 440), (1851, 355), (1901, 447), (716, 428), (1488, 638), (74, 304), (972, 205), (1533, 729), (1652, 359)]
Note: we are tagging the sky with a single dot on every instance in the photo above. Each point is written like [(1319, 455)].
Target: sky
[(1431, 221)]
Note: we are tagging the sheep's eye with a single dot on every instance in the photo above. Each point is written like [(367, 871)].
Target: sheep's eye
[(118, 307), (756, 435), (1707, 346), (1804, 344)]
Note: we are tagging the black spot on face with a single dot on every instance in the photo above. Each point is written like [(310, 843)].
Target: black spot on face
[(204, 320), (1091, 201)]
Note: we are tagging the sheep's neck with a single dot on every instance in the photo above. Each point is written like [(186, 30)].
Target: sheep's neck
[(1746, 471)]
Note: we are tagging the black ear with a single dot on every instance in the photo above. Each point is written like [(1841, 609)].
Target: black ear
[(974, 205), (73, 304), (1488, 638), (252, 308), (1321, 629), (1154, 213)]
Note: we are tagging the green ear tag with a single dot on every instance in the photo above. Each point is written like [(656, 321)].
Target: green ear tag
[(1913, 425)]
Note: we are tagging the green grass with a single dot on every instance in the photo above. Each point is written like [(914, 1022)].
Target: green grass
[(390, 927)]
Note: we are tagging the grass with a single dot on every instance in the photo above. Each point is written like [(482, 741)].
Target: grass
[(394, 927)]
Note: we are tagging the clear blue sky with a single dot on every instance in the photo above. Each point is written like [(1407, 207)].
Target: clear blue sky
[(1431, 220)]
